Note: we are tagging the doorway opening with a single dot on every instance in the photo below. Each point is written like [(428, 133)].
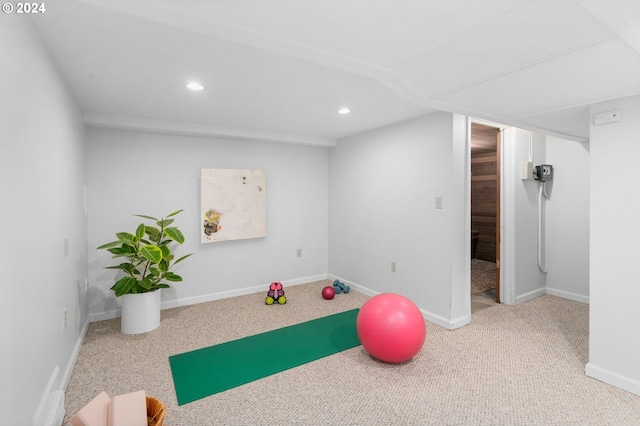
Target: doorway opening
[(485, 215)]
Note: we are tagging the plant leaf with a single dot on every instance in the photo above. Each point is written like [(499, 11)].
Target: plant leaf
[(151, 253), (164, 265), (151, 230), (165, 222), (145, 283), (166, 252), (140, 231), (123, 286), (132, 244), (126, 236), (127, 267), (146, 217), (154, 234), (124, 250), (174, 213), (109, 245), (175, 234), (182, 258), (172, 277)]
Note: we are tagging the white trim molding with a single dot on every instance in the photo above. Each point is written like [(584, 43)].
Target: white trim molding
[(612, 378)]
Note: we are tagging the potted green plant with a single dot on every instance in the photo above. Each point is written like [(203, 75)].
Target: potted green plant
[(147, 269)]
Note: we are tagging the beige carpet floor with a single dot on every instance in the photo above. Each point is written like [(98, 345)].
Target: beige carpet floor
[(521, 365)]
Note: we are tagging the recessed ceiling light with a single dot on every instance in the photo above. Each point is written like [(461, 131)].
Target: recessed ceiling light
[(344, 110), (194, 85)]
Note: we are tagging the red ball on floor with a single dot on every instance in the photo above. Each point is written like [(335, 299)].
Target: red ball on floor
[(328, 292)]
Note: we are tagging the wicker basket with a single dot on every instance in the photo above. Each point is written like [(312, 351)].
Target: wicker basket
[(155, 412)]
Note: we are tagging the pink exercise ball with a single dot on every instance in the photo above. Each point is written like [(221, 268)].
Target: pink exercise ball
[(391, 327)]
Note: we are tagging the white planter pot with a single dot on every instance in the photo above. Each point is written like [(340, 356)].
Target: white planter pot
[(140, 312)]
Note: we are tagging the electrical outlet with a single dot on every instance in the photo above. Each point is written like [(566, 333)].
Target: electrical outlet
[(439, 202), (299, 253), (66, 247), (393, 266), (64, 319)]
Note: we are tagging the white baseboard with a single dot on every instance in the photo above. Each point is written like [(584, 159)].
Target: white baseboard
[(52, 386), (459, 322), (449, 324), (614, 379), (568, 295), (552, 292), (64, 380), (531, 295), (239, 292), (58, 382), (100, 316), (355, 286), (429, 316)]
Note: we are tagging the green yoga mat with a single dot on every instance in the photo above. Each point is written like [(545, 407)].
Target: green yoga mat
[(203, 372)]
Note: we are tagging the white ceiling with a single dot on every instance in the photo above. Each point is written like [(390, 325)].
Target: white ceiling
[(280, 69)]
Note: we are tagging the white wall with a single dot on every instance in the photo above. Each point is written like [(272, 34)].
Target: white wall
[(521, 279), (41, 180), (565, 253), (143, 173), (382, 190), (568, 220), (614, 347)]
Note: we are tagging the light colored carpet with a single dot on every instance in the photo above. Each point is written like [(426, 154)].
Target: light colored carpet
[(483, 276), (521, 365)]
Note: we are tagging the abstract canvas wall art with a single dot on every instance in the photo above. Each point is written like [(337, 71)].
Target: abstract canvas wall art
[(233, 204)]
